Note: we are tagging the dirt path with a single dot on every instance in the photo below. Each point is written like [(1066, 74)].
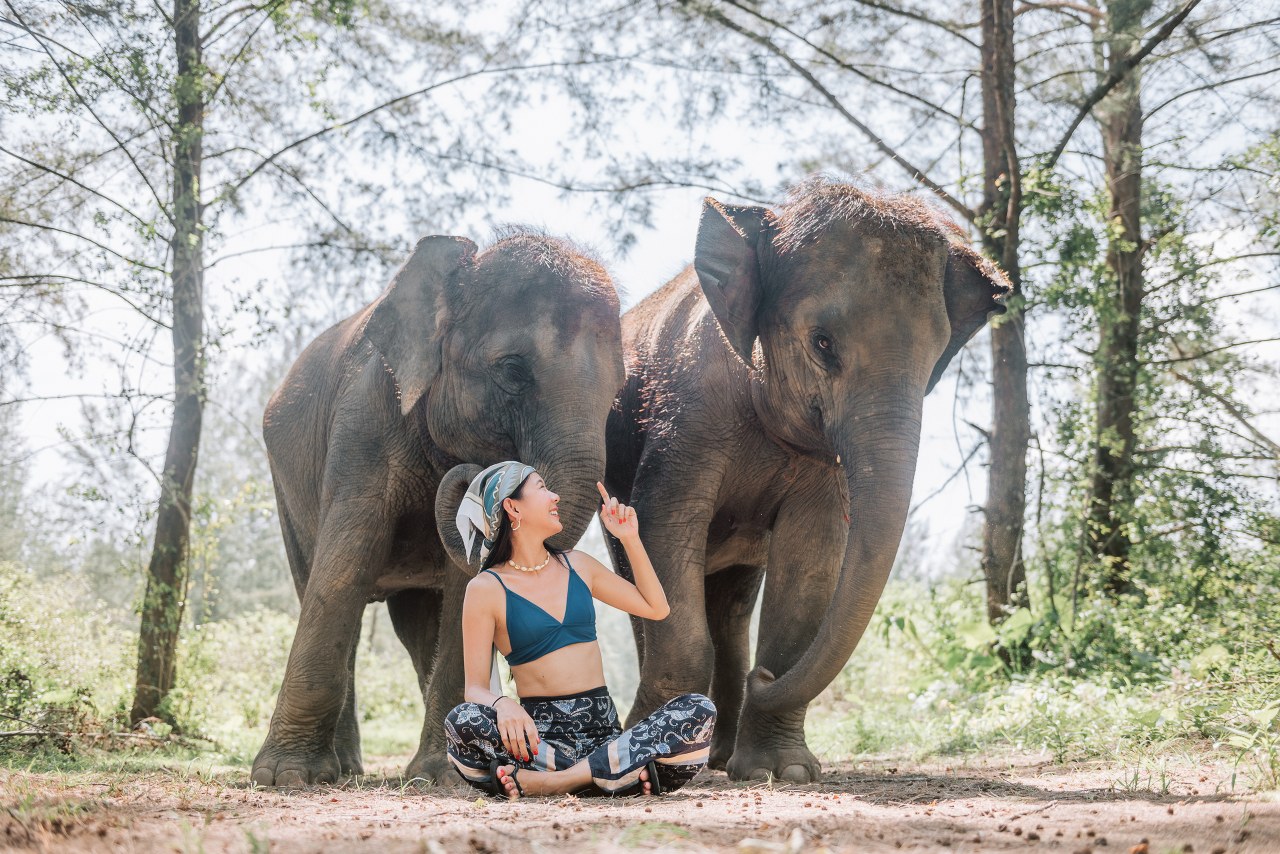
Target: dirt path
[(1012, 803)]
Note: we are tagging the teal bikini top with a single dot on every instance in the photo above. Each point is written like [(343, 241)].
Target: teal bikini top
[(534, 632)]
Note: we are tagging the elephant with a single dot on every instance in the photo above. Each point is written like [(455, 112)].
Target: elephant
[(467, 358), (767, 432)]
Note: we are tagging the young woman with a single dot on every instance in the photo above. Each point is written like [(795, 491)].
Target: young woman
[(562, 735)]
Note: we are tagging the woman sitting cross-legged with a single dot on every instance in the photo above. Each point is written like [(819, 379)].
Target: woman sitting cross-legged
[(562, 736)]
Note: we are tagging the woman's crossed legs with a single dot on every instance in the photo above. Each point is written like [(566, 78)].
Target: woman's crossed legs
[(583, 747)]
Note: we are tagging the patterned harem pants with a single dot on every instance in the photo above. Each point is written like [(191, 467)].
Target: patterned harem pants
[(676, 737)]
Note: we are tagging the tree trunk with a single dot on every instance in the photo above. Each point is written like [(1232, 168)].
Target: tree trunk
[(1119, 310), (167, 575), (1000, 215)]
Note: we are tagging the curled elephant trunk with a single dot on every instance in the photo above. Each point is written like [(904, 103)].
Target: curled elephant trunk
[(448, 499), (574, 479), (879, 455)]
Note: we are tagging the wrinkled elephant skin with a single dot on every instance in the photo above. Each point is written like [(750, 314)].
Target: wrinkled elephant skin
[(768, 432), (464, 360)]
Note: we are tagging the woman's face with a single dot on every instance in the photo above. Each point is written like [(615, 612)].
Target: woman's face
[(536, 511)]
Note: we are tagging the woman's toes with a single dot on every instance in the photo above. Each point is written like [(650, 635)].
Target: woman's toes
[(508, 783)]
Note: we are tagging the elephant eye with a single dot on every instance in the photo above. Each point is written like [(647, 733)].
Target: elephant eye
[(824, 350), (513, 374)]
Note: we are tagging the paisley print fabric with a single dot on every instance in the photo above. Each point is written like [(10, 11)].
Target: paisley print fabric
[(677, 737)]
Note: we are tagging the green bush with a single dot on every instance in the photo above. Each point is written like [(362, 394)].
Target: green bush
[(929, 678), (63, 666), (67, 664), (230, 671)]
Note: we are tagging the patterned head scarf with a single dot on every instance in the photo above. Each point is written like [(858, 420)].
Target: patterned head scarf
[(481, 509)]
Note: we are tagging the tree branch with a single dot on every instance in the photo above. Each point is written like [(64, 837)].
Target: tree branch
[(951, 27), (89, 240), (1215, 84), (1082, 8), (231, 63), (1234, 411), (28, 280), (399, 99), (70, 180), (1215, 262), (1119, 73), (840, 63), (1211, 351), (655, 183), (84, 103), (879, 144)]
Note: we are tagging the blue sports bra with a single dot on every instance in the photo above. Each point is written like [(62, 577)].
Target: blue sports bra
[(534, 632)]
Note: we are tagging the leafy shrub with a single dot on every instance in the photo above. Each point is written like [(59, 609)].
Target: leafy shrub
[(63, 666), (929, 678)]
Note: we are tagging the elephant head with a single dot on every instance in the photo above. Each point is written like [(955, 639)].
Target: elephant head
[(510, 353), (846, 306)]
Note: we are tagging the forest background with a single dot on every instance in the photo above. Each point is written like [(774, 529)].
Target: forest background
[(189, 195)]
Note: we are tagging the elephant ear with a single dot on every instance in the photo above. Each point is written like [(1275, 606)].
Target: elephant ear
[(405, 322), (975, 291), (728, 266)]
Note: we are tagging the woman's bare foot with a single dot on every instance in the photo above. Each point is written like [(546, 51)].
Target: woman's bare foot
[(508, 782), (552, 782), (644, 776)]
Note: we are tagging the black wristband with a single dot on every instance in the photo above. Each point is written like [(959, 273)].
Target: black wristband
[(494, 704)]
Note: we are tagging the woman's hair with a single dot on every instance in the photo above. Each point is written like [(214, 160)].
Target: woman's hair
[(501, 551)]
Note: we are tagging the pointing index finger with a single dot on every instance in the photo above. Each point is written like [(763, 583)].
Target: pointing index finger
[(604, 494)]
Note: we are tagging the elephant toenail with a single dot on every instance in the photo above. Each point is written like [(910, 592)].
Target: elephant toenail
[(795, 774), (291, 779)]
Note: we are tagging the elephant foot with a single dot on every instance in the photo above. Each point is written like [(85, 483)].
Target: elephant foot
[(433, 766), (276, 765), (721, 752), (790, 764), (350, 760)]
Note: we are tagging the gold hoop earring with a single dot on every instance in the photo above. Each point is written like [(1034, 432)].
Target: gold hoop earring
[(516, 526)]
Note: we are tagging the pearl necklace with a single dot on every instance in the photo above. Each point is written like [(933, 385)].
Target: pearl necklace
[(515, 565)]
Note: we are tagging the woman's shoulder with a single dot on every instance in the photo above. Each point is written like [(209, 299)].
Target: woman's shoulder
[(485, 583), (580, 561)]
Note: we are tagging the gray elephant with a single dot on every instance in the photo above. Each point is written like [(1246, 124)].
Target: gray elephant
[(464, 360), (768, 430)]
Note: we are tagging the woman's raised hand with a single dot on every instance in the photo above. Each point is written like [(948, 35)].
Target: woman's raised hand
[(619, 519)]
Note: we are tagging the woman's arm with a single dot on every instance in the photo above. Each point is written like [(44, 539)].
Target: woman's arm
[(645, 598), (479, 624), (478, 628)]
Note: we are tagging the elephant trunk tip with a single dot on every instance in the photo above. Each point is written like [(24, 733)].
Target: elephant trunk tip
[(758, 682)]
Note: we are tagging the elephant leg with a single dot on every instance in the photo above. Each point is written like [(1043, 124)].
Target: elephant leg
[(805, 551), (678, 656), (415, 614), (297, 547), (299, 749), (346, 736), (445, 682), (731, 597)]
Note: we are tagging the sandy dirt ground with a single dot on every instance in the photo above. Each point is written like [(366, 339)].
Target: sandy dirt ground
[(1017, 802)]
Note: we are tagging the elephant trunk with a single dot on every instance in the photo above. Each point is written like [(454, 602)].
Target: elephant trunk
[(878, 449), (570, 470), (572, 473)]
